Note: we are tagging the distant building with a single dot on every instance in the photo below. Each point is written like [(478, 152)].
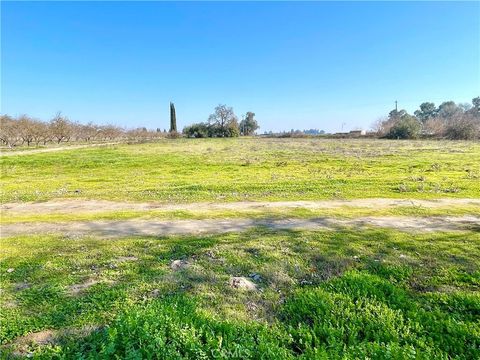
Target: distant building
[(351, 134), (358, 132)]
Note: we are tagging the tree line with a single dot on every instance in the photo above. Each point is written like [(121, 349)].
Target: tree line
[(223, 123), (25, 130), (449, 120)]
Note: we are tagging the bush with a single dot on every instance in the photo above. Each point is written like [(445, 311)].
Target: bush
[(174, 135), (450, 120), (203, 130), (406, 127), (463, 129), (199, 130)]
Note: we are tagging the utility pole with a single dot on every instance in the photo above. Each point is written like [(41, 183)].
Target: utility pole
[(396, 109)]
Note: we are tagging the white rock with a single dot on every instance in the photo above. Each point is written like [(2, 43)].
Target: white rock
[(179, 264), (239, 282)]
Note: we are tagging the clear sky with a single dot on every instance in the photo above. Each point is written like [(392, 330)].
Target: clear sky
[(296, 65)]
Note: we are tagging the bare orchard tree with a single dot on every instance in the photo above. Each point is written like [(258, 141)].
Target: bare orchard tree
[(137, 134), (25, 129), (142, 134), (110, 132), (60, 128), (32, 130), (9, 131), (86, 132), (40, 132)]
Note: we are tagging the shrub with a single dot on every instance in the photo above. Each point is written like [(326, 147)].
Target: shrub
[(406, 127), (465, 128), (450, 120), (174, 135), (199, 130), (203, 130)]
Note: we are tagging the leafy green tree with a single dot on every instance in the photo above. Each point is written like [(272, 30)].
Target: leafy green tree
[(465, 107), (248, 125), (396, 114), (233, 129), (450, 120), (427, 111), (222, 123), (449, 109), (476, 102), (475, 110)]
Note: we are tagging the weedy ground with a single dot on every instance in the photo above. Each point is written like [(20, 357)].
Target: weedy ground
[(342, 294), (187, 170), (348, 293)]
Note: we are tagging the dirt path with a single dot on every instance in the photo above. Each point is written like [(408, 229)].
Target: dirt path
[(52, 149), (182, 227), (95, 206)]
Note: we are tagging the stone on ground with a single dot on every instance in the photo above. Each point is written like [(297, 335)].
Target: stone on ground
[(239, 282), (179, 264)]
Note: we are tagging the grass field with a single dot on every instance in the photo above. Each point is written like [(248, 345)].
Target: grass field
[(349, 292), (247, 169), (342, 294)]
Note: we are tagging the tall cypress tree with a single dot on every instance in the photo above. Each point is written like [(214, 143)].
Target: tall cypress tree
[(173, 118)]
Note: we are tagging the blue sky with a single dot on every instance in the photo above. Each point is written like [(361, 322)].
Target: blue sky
[(296, 65)]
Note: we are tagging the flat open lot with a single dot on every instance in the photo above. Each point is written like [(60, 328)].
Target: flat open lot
[(247, 169), (242, 248)]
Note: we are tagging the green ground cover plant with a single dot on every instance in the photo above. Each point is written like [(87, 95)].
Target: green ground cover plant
[(321, 294)]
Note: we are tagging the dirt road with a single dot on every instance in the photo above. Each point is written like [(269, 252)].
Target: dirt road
[(52, 149), (122, 228)]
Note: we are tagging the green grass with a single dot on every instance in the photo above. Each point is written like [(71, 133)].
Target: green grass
[(344, 212), (345, 294), (186, 170)]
